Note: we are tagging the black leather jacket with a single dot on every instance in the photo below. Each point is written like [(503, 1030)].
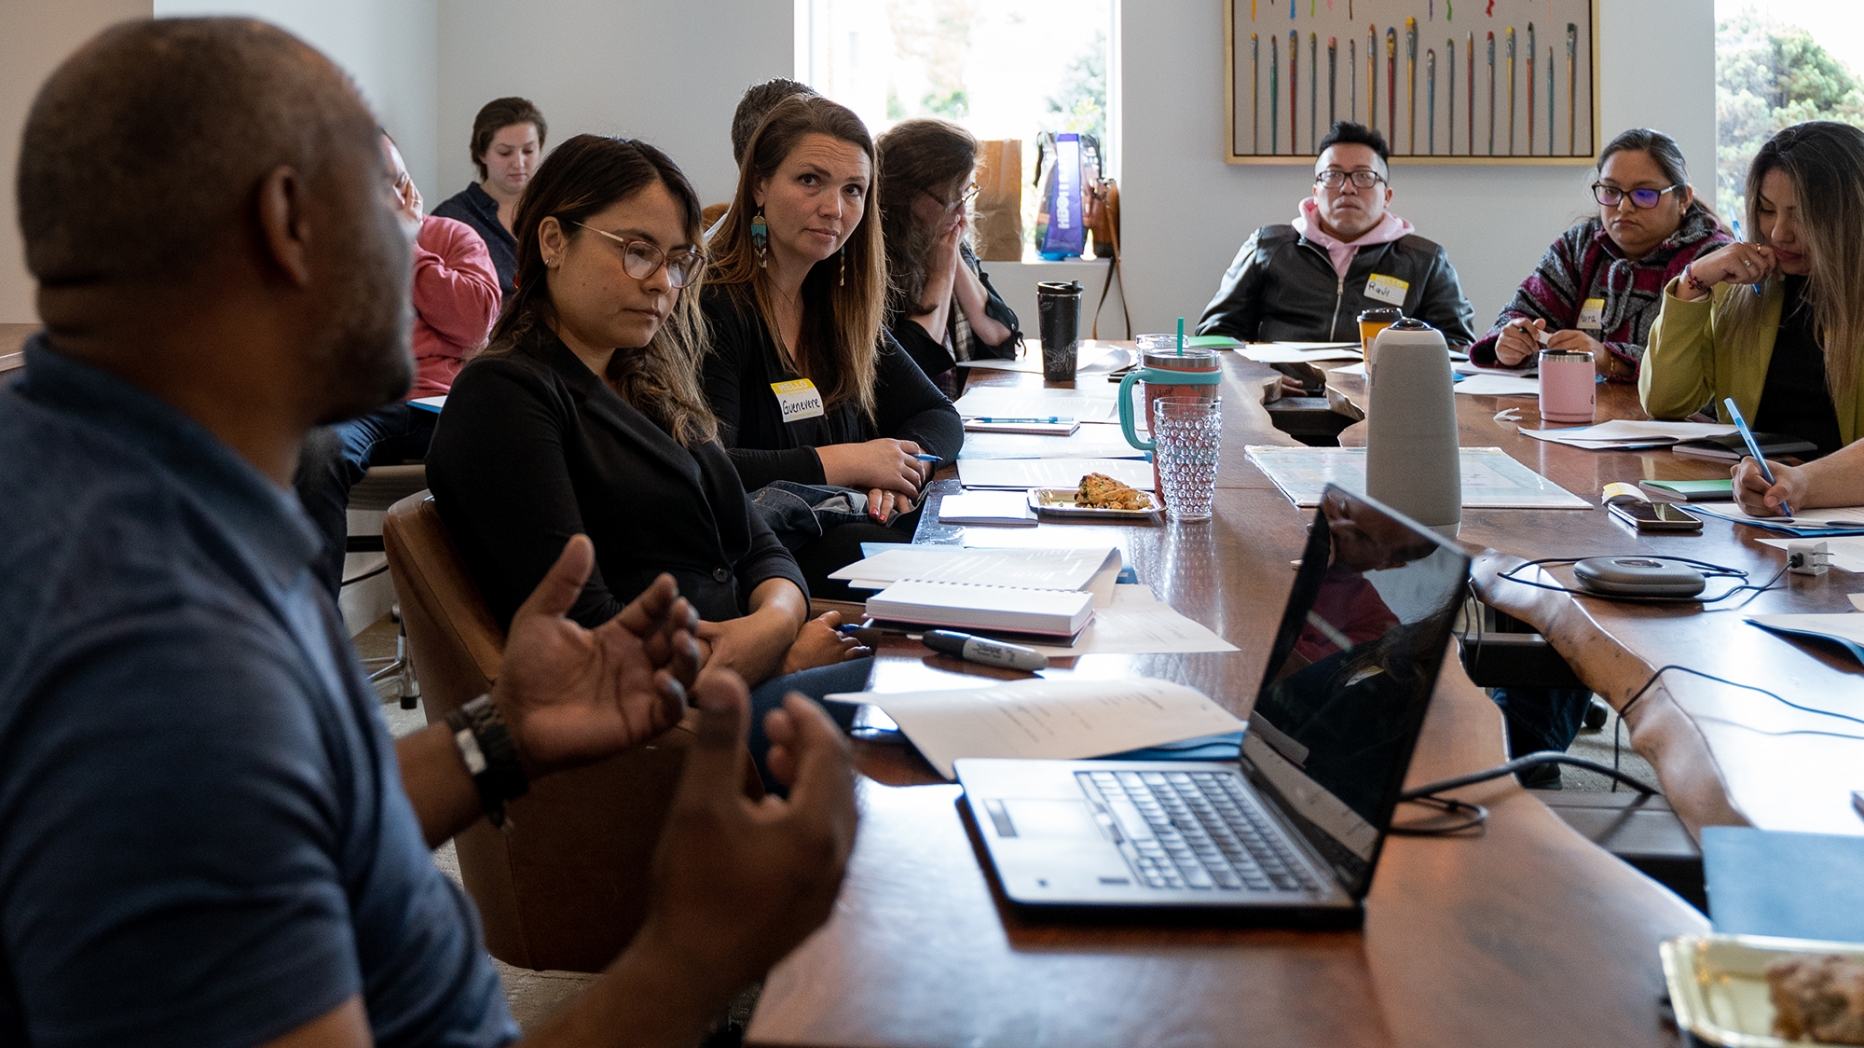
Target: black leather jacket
[(1282, 288)]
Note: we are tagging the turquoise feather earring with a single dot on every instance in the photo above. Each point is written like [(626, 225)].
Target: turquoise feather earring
[(760, 236)]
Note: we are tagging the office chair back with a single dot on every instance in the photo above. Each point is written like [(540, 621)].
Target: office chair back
[(566, 888)]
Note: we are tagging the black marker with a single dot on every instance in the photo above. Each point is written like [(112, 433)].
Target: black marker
[(987, 652)]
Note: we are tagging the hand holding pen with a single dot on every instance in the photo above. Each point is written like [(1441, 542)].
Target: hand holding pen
[(1753, 446), (1739, 263)]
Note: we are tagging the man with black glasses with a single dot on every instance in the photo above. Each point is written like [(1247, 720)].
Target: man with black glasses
[(1345, 252)]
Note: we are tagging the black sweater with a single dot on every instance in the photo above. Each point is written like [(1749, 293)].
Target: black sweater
[(744, 363), (533, 448)]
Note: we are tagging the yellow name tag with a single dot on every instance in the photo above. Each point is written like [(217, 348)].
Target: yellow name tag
[(797, 399), (1389, 290), (1592, 314)]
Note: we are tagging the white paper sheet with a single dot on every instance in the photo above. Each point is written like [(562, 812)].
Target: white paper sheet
[(1847, 628), (1090, 357), (1138, 623), (1356, 370), (1023, 474), (1491, 480), (1465, 367), (1090, 441), (1620, 432), (1811, 524), (1000, 508), (1024, 402), (1498, 386), (1061, 569), (1054, 720), (1299, 352)]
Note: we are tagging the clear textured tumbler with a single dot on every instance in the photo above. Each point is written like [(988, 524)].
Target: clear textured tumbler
[(1188, 432)]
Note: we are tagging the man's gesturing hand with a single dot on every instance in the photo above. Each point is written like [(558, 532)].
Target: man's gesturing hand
[(574, 695), (738, 884)]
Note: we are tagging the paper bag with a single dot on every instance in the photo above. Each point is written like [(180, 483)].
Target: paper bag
[(999, 204)]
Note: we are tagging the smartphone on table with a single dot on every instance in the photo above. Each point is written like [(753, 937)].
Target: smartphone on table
[(1654, 516)]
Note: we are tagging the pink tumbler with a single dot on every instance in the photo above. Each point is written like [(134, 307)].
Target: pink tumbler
[(1568, 385)]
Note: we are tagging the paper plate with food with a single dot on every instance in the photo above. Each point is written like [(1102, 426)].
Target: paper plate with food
[(1098, 496)]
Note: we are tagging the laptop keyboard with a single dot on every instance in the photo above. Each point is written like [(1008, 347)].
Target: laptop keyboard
[(1206, 832)]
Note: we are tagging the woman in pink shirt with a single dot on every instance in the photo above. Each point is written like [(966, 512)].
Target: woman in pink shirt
[(456, 298)]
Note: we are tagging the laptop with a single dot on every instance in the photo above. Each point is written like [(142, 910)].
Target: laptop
[(1290, 832)]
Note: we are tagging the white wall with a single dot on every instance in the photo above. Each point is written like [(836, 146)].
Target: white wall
[(1186, 211), (34, 37), (669, 73), (388, 46)]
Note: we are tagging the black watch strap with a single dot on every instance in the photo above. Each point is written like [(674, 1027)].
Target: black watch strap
[(491, 756)]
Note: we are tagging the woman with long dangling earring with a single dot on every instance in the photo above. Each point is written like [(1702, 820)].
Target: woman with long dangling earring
[(810, 390)]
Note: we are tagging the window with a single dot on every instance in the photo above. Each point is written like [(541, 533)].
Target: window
[(1002, 68), (1780, 62)]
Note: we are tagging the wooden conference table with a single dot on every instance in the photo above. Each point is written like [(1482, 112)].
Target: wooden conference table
[(1527, 935)]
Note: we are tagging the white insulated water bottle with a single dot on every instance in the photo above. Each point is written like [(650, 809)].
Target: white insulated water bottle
[(1412, 463)]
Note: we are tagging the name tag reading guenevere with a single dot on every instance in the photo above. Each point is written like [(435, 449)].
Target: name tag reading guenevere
[(1389, 290), (797, 399)]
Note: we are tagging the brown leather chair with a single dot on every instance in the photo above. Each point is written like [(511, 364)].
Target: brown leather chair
[(567, 887)]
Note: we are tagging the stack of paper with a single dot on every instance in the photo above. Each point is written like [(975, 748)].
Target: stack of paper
[(1480, 385), (1810, 524), (1094, 440), (1299, 352), (1491, 480), (1043, 591), (1627, 434), (1049, 719), (1021, 402), (1465, 366), (1090, 357)]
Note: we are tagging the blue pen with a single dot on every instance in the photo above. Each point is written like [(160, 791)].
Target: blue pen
[(1753, 447), (1051, 418), (926, 458)]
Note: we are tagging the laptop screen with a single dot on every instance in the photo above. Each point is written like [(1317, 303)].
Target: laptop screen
[(1350, 676)]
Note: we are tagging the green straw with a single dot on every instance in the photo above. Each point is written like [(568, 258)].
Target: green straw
[(1181, 336)]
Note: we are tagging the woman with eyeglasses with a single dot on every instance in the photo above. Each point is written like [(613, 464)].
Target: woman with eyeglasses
[(1599, 287), (1776, 322), (940, 305), (814, 398), (585, 416)]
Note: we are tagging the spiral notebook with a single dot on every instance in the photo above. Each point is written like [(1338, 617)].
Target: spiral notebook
[(974, 606)]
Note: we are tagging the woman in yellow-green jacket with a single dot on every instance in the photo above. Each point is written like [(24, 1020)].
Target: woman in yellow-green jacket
[(1777, 322)]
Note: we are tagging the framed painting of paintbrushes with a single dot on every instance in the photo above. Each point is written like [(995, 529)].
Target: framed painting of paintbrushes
[(1445, 81)]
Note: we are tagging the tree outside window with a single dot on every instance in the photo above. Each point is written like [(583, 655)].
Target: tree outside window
[(1778, 63)]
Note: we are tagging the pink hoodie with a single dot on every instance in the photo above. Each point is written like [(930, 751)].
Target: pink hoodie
[(1307, 223), (456, 299)]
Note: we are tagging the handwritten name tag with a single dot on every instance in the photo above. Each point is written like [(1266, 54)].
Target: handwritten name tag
[(1592, 314), (798, 399), (1389, 290)]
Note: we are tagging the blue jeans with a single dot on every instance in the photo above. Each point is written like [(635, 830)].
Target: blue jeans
[(335, 458), (1542, 718), (815, 683)]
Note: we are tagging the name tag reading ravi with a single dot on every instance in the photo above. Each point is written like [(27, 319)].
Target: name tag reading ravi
[(798, 399), (1389, 290), (1592, 314)]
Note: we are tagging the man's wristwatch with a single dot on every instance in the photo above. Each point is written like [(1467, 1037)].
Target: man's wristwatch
[(491, 756)]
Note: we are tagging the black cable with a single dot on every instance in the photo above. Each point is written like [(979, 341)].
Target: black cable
[(1714, 571), (1531, 760), (1478, 815)]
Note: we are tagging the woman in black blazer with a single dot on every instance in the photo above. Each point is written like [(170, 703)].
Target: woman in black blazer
[(585, 415), (807, 384)]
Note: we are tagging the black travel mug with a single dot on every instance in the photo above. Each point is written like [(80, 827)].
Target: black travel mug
[(1058, 320)]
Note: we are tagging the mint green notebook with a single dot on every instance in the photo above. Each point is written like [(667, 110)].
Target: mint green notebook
[(1210, 341), (1694, 490)]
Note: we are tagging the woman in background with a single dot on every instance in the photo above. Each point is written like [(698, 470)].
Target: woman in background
[(809, 389), (1777, 322), (507, 144), (1599, 288), (585, 416), (940, 305)]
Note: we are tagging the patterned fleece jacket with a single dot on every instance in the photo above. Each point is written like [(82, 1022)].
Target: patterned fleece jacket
[(1586, 264)]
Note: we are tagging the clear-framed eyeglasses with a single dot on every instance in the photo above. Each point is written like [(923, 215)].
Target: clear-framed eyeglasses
[(1334, 179), (965, 197), (640, 259), (1643, 199)]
